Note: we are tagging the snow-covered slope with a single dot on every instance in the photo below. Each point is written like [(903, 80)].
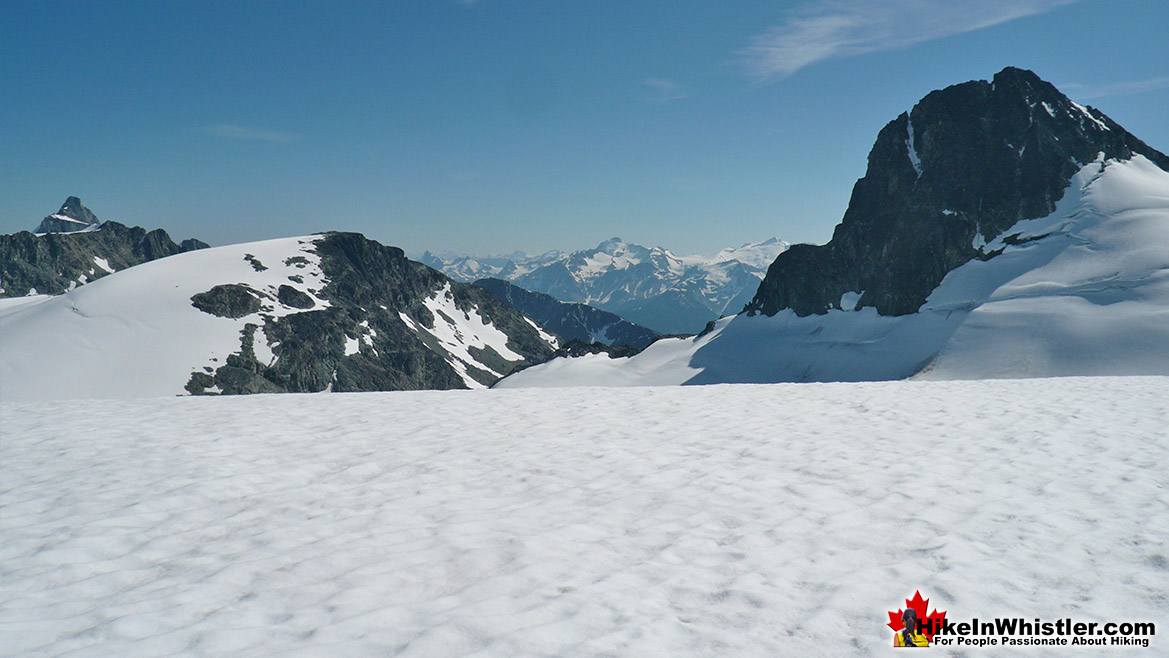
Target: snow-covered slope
[(780, 520), (650, 286), (1083, 291), (262, 317), (135, 333)]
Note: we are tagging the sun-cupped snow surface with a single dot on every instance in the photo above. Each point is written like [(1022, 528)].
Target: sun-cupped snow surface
[(773, 520), (1083, 291), (459, 331), (135, 333)]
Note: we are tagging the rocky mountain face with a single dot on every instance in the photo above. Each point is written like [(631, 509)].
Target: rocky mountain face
[(570, 321), (649, 286), (943, 180), (380, 322), (71, 248), (70, 218)]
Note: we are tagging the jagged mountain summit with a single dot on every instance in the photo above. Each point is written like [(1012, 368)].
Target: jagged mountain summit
[(965, 164), (570, 321), (649, 286), (1001, 230), (73, 247), (72, 217), (331, 311)]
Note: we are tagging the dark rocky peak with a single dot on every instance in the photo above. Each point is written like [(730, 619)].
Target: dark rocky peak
[(158, 244), (431, 260), (191, 244), (72, 216), (970, 159), (74, 209)]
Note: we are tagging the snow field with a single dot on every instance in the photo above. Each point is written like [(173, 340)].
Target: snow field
[(747, 520)]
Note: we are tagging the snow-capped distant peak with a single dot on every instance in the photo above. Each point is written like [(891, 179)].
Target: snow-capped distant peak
[(755, 254), (651, 286)]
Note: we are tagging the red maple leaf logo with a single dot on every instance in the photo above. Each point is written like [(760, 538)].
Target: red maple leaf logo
[(919, 606)]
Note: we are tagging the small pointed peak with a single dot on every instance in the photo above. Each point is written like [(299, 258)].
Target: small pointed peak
[(70, 218), (1034, 88), (74, 209), (1013, 73), (610, 243)]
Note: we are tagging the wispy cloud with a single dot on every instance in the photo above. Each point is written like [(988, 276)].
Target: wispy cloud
[(831, 29), (1085, 92), (243, 132), (662, 90)]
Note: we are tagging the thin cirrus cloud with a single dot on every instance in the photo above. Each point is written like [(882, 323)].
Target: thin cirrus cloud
[(833, 29), (1084, 92), (254, 134), (662, 90)]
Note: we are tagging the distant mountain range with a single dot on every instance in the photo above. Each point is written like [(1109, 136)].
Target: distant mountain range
[(97, 309), (568, 320), (649, 286), (1000, 230)]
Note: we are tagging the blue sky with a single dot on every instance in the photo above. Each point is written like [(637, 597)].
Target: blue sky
[(497, 125)]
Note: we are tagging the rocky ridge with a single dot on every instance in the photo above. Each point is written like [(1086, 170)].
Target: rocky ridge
[(52, 261)]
